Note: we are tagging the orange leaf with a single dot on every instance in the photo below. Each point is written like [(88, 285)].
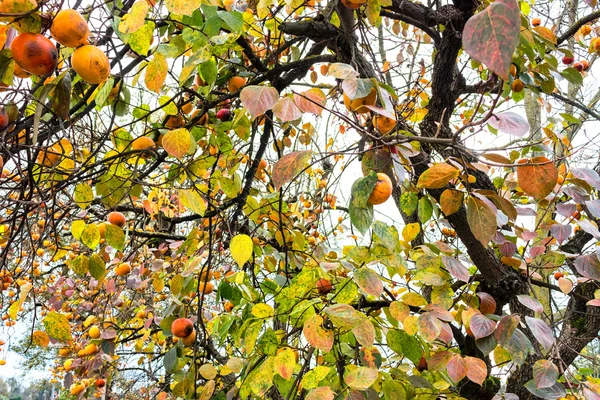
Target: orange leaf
[(156, 72), (537, 176), (311, 101), (429, 326), (451, 201), (457, 368), (476, 370), (437, 176)]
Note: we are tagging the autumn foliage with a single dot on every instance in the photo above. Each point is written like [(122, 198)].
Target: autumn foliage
[(301, 199)]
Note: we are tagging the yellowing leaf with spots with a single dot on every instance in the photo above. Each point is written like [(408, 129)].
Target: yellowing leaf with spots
[(410, 231), (177, 142), (361, 378), (316, 335), (285, 362), (135, 18), (57, 326), (262, 311), (208, 371), (40, 338), (193, 201), (182, 7), (241, 249)]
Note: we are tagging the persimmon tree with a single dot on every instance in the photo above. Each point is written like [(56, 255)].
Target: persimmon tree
[(180, 216)]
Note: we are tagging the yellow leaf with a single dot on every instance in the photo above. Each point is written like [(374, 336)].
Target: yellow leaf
[(285, 362), (241, 249), (89, 321), (182, 7), (545, 33), (410, 324), (208, 371), (262, 311), (414, 299), (177, 142), (410, 231), (40, 339)]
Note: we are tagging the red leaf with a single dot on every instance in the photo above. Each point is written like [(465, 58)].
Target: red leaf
[(595, 302), (510, 122), (588, 265), (481, 326), (476, 370), (492, 36), (481, 219), (289, 166), (561, 232), (537, 176), (487, 304), (259, 99), (545, 374), (457, 368)]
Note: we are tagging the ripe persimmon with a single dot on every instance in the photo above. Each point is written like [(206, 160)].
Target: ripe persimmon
[(517, 85), (206, 287), (142, 143), (236, 83), (352, 5), (122, 269), (324, 286), (100, 383), (190, 339), (34, 53), (382, 190), (536, 21), (116, 218), (20, 72), (182, 327), (357, 105), (384, 124), (91, 64), (585, 30), (69, 28)]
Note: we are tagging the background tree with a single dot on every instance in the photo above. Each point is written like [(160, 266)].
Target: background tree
[(181, 215)]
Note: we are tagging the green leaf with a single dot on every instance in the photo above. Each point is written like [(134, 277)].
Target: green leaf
[(115, 237), (97, 267), (57, 326), (200, 56), (241, 248), (233, 19), (193, 201), (61, 96), (313, 377), (425, 210), (170, 359), (263, 310), (80, 265)]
